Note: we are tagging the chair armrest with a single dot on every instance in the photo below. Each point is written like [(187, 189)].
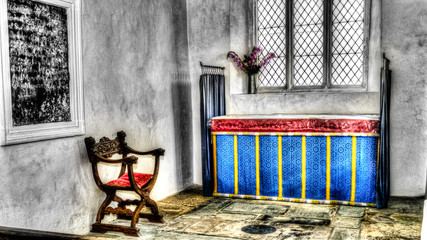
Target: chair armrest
[(155, 152), (127, 160)]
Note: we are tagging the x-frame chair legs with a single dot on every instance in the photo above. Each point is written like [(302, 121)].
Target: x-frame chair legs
[(124, 213)]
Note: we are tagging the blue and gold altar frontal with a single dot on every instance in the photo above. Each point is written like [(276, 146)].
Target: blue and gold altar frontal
[(312, 167)]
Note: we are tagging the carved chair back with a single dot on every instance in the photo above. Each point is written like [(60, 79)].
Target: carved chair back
[(106, 147)]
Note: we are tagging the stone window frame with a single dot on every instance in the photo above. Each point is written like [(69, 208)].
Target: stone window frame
[(326, 86)]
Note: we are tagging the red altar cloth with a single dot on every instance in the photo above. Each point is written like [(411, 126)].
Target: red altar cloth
[(299, 125)]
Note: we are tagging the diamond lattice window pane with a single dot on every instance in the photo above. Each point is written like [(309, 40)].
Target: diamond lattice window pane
[(271, 22), (273, 74), (308, 43), (272, 40), (344, 10), (347, 68), (310, 71), (308, 12), (271, 13), (347, 42)]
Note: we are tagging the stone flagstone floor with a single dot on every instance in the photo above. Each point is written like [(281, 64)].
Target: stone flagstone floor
[(189, 215)]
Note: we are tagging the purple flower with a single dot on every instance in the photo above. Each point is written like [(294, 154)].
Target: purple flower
[(256, 50), (249, 63), (267, 58), (237, 60), (253, 54)]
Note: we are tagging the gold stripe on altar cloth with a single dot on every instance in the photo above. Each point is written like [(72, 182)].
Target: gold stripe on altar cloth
[(296, 200), (236, 167), (303, 165), (328, 168), (353, 168), (214, 164), (257, 164), (279, 155)]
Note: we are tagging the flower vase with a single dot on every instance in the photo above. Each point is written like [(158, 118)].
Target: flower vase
[(252, 81)]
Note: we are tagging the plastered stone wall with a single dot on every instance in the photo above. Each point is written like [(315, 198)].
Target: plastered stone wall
[(209, 42), (404, 40), (135, 67)]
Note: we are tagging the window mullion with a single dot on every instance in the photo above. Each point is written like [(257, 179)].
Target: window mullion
[(327, 26), (366, 28), (289, 43)]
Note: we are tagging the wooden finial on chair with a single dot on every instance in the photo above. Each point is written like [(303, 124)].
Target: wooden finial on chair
[(121, 135)]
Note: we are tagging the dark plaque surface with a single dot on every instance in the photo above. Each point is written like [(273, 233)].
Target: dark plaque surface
[(39, 67)]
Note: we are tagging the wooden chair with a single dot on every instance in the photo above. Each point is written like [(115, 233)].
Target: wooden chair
[(140, 183)]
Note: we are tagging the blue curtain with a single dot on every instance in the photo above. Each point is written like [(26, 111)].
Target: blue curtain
[(212, 103), (383, 175)]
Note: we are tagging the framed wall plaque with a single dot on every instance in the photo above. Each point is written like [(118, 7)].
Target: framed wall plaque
[(41, 76)]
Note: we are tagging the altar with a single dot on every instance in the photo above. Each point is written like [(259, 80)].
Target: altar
[(328, 159)]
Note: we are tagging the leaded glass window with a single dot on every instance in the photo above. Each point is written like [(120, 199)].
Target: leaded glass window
[(308, 43), (272, 38), (318, 43), (347, 42)]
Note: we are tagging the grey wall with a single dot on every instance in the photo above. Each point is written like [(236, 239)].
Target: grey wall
[(209, 42), (405, 44), (135, 66), (404, 41)]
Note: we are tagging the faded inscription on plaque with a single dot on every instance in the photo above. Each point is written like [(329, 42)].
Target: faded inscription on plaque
[(39, 67)]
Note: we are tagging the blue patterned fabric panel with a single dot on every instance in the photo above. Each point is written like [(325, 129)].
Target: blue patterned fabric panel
[(225, 163), (341, 158), (315, 168), (291, 166), (269, 173), (341, 168), (247, 165), (366, 166)]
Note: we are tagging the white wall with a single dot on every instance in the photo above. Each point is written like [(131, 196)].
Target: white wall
[(209, 42), (404, 40), (135, 70)]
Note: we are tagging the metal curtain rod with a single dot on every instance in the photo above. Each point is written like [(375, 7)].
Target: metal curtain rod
[(212, 70), (201, 64)]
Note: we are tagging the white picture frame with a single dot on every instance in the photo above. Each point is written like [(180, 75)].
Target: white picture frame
[(10, 134)]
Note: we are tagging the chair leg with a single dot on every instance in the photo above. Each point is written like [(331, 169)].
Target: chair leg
[(107, 201), (135, 216), (103, 228), (153, 206), (155, 210)]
